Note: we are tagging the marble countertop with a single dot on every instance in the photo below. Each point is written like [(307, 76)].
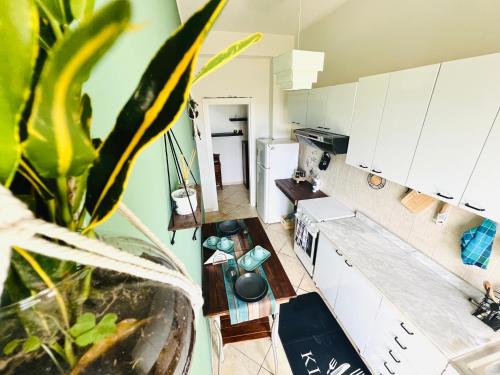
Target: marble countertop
[(427, 294)]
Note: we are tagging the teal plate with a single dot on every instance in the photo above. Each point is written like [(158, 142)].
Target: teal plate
[(211, 247), (254, 262)]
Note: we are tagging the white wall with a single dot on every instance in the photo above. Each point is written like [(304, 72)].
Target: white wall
[(229, 148), (367, 37)]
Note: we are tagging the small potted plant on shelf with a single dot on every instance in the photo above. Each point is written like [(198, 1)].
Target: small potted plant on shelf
[(58, 316)]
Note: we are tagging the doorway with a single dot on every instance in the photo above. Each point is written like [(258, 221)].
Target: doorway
[(228, 134)]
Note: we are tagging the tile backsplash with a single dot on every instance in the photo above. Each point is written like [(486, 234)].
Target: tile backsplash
[(441, 243)]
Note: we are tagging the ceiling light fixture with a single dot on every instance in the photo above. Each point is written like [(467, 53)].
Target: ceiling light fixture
[(298, 69)]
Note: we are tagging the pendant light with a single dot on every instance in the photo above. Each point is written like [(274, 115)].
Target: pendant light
[(298, 69)]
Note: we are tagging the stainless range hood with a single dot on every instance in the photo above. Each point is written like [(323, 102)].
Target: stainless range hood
[(323, 139)]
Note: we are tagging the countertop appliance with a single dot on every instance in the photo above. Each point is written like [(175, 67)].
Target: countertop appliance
[(276, 159), (322, 138), (309, 213)]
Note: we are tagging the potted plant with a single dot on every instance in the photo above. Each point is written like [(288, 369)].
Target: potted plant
[(58, 316)]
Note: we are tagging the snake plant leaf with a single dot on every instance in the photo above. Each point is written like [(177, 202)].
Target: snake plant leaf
[(151, 110), (19, 45), (226, 55), (81, 8), (57, 144)]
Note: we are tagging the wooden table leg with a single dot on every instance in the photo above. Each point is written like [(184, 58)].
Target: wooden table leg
[(220, 350), (275, 336)]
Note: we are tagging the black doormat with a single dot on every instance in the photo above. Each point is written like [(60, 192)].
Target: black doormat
[(313, 340)]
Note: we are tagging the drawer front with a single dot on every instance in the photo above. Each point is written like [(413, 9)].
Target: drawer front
[(386, 358), (408, 342)]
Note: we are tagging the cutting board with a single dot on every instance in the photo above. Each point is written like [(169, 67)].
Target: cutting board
[(416, 202)]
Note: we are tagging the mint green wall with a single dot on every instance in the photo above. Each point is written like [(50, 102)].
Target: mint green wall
[(147, 193)]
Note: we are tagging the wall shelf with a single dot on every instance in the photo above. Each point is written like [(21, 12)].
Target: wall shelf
[(238, 119), (227, 134)]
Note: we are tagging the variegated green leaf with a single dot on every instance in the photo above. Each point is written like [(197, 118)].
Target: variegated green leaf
[(223, 57), (81, 8), (57, 144), (19, 46), (150, 111)]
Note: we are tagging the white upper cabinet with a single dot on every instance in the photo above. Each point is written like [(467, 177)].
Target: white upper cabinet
[(463, 107), (481, 195), (406, 104), (339, 107), (297, 107), (316, 107), (368, 109)]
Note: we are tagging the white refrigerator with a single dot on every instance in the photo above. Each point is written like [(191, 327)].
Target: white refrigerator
[(276, 159)]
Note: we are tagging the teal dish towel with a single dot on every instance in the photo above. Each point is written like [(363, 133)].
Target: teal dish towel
[(477, 242)]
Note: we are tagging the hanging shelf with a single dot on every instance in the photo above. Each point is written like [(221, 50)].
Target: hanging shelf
[(194, 219), (178, 222), (238, 119)]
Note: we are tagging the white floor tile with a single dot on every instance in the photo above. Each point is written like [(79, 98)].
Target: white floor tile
[(293, 268), (236, 362), (256, 350), (283, 366)]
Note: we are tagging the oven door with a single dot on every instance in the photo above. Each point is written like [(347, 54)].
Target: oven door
[(305, 242)]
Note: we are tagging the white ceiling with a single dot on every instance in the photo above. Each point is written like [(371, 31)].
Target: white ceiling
[(267, 16)]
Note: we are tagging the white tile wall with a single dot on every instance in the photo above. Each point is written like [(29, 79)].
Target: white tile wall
[(442, 243)]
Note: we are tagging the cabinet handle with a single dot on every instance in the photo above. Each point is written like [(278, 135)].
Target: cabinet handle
[(375, 171), (346, 262), (362, 166), (475, 208), (444, 196), (406, 330), (338, 252), (388, 369), (392, 355), (400, 345)]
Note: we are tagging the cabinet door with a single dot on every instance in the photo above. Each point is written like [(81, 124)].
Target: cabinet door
[(316, 106), (368, 109), (297, 107), (463, 107), (405, 107), (328, 269), (481, 195), (357, 304), (339, 107)]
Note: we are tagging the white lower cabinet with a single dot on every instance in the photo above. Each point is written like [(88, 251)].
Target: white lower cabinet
[(329, 269), (357, 304), (388, 342), (397, 346)]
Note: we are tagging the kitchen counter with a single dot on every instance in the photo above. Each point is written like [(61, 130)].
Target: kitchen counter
[(298, 191), (426, 293)]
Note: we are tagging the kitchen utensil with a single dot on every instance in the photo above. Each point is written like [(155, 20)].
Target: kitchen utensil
[(325, 161), (375, 182), (211, 242), (250, 287), (489, 291), (249, 262), (416, 202), (229, 227)]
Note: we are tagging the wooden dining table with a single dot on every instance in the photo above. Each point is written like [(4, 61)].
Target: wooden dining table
[(215, 306)]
